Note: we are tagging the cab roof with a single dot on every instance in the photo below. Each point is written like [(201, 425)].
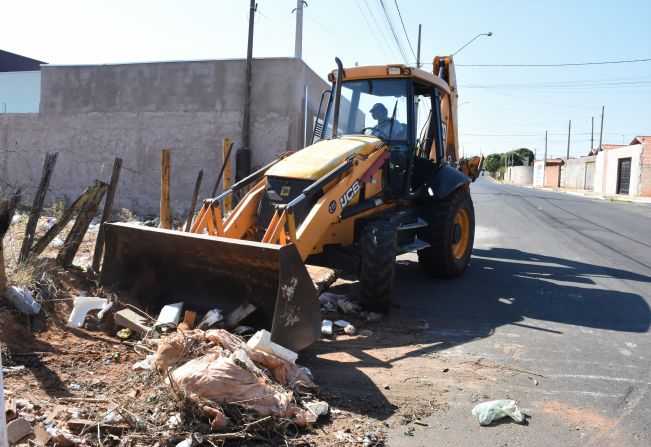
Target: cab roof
[(382, 72)]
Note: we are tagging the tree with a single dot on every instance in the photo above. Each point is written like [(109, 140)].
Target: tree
[(525, 154), (492, 163)]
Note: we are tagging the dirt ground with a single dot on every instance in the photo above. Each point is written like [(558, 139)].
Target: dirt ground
[(389, 377)]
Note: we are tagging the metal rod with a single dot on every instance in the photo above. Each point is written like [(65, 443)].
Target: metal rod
[(245, 181)]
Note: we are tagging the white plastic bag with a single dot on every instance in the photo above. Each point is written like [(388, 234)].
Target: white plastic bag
[(23, 300), (487, 412)]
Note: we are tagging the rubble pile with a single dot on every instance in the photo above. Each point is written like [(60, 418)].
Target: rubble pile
[(200, 388), (87, 367)]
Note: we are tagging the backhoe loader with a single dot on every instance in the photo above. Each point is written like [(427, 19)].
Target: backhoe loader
[(382, 177)]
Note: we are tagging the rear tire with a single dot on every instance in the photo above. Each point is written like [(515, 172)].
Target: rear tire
[(378, 245), (450, 233)]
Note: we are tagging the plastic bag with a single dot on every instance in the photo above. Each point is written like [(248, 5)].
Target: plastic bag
[(23, 300), (487, 412)]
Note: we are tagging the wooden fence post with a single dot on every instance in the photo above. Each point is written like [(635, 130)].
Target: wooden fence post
[(228, 178), (193, 203), (39, 198), (76, 235), (7, 208), (165, 218), (106, 214), (60, 224)]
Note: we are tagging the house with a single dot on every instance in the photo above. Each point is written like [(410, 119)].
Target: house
[(625, 170), (20, 83)]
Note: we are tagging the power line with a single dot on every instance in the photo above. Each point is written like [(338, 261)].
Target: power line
[(405, 30), (380, 29), (574, 64), (579, 84), (371, 30), (530, 100), (393, 31)]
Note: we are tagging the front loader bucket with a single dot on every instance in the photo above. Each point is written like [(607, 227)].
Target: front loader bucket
[(205, 272)]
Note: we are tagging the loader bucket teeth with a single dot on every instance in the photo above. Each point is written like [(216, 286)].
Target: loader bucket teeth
[(205, 272)]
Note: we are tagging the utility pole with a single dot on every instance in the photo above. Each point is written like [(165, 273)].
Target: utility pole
[(243, 156), (298, 44), (592, 136), (544, 161), (601, 132), (569, 130), (418, 51)]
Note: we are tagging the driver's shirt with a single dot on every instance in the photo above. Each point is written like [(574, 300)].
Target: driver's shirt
[(382, 130)]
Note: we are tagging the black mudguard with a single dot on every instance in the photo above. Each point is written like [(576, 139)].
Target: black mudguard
[(442, 181)]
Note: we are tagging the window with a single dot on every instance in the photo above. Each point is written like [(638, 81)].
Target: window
[(373, 107)]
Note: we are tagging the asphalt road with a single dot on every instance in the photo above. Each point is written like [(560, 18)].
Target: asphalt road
[(559, 286)]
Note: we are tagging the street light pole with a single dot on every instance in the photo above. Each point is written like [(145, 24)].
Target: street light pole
[(488, 34)]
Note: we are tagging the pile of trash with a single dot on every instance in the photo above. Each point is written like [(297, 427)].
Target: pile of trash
[(332, 304), (197, 386)]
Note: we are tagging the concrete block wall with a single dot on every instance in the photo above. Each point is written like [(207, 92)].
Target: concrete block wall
[(520, 175), (575, 172), (91, 114)]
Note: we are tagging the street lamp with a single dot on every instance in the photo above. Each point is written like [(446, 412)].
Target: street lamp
[(488, 34)]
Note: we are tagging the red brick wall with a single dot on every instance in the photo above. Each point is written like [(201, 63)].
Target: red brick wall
[(645, 171)]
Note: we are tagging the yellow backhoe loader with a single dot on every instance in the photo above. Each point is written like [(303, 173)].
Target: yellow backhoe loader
[(381, 178)]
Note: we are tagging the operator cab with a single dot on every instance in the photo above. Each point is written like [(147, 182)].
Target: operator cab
[(403, 112)]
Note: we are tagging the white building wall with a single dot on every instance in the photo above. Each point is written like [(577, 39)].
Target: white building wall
[(538, 173), (607, 165)]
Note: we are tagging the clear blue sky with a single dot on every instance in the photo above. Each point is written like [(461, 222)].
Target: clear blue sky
[(503, 107)]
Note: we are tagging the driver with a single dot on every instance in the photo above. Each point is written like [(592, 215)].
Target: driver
[(383, 128)]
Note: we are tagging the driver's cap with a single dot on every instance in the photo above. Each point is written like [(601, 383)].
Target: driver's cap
[(378, 107)]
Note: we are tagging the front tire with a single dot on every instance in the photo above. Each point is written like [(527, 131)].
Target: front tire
[(378, 245), (450, 233)]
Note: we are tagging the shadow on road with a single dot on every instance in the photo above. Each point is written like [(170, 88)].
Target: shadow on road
[(501, 287)]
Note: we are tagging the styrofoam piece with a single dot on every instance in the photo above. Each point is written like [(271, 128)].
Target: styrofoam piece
[(169, 314), (211, 317), (84, 304), (23, 300), (326, 327), (261, 341)]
